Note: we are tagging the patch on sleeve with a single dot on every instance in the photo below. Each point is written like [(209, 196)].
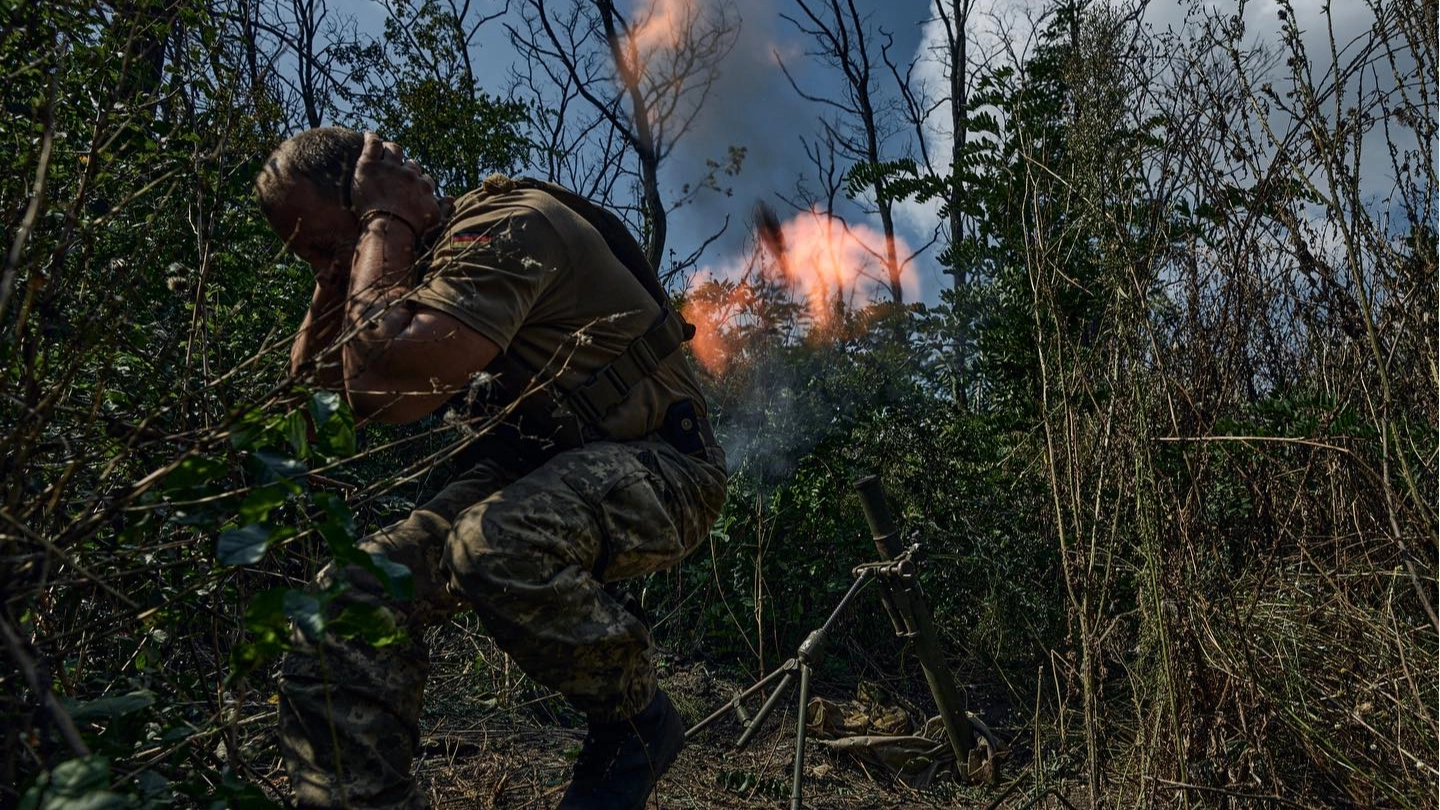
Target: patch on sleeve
[(471, 238)]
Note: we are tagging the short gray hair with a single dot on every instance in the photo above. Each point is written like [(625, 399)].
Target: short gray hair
[(325, 156)]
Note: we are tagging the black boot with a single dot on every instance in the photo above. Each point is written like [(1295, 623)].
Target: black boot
[(621, 762)]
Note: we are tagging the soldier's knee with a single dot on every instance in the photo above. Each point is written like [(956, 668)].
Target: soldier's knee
[(471, 558), (495, 549)]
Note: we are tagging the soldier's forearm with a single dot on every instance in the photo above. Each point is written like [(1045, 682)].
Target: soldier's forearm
[(381, 274), (314, 353)]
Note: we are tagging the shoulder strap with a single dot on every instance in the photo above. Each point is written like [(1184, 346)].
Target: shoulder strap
[(617, 237), (595, 398)]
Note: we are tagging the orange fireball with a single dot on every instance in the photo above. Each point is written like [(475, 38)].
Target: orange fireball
[(828, 264)]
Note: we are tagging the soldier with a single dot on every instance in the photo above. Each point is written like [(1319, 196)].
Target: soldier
[(609, 471)]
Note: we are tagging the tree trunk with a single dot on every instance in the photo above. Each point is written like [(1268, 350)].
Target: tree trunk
[(629, 68), (959, 127)]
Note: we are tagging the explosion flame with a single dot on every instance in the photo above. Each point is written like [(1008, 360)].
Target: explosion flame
[(828, 265), (663, 25)]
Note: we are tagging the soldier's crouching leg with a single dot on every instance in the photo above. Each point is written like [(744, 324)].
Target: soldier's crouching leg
[(349, 723), (349, 712), (534, 559)]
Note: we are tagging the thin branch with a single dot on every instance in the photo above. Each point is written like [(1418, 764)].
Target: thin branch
[(40, 684)]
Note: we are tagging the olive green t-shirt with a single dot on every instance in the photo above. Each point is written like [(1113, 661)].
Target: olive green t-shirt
[(522, 269)]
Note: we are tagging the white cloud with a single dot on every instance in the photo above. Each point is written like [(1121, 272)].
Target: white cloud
[(1003, 32)]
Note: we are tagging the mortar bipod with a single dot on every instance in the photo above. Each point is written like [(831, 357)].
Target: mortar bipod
[(904, 604), (901, 568)]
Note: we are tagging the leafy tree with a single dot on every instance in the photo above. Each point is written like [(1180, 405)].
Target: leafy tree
[(151, 440), (418, 86)]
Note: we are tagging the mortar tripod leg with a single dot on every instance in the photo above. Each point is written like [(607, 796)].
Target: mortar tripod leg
[(769, 706), (799, 776)]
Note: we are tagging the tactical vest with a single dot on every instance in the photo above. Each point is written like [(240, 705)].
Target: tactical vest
[(544, 422)]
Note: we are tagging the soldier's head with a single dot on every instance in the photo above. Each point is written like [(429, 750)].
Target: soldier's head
[(304, 189)]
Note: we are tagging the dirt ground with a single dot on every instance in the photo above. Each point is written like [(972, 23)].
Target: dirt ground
[(476, 756)]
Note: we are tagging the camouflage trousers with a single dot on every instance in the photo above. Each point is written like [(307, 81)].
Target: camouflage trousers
[(531, 555)]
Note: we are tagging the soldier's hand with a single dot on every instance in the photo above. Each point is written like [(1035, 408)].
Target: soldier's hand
[(386, 181), (334, 274)]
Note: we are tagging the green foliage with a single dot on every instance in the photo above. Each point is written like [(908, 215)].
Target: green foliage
[(801, 422), (1172, 447), (1063, 175), (88, 783), (143, 428), (418, 87), (750, 783), (1177, 474), (1054, 160), (79, 784), (273, 506)]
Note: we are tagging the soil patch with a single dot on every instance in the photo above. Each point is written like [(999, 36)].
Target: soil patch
[(520, 759)]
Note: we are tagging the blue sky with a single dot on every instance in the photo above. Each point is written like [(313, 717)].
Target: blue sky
[(753, 105)]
